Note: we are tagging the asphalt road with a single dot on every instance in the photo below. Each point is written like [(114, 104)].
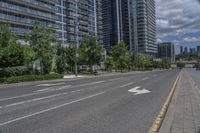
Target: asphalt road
[(126, 103)]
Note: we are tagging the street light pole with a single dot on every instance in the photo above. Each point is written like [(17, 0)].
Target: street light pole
[(77, 40)]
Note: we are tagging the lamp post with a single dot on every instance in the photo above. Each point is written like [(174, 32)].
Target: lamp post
[(77, 40)]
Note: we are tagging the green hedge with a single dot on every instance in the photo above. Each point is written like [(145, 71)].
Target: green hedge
[(16, 79), (180, 65), (15, 71)]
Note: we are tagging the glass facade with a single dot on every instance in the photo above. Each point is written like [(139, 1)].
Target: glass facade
[(131, 21), (60, 15), (143, 26), (112, 22), (166, 51)]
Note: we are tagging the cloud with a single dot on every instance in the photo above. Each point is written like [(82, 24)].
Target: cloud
[(178, 18), (191, 39)]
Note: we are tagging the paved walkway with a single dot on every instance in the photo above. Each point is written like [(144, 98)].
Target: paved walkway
[(183, 115)]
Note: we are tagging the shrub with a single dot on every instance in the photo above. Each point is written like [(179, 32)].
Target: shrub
[(16, 79), (2, 80), (15, 71), (180, 65)]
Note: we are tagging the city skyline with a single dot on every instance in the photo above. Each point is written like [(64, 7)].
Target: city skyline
[(178, 22)]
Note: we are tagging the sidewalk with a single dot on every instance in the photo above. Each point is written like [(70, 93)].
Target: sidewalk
[(183, 115)]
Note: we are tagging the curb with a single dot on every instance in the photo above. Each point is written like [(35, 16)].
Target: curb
[(159, 119), (66, 79)]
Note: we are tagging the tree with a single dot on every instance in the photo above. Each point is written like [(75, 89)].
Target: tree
[(11, 53), (90, 52), (70, 55), (28, 55), (180, 65), (141, 61), (40, 42), (60, 58), (109, 63), (120, 55)]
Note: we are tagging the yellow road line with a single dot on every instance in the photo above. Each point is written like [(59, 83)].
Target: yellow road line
[(158, 121)]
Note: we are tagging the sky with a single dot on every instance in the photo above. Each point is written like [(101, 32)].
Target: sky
[(178, 21)]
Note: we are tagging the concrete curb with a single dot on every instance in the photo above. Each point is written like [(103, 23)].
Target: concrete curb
[(159, 119), (67, 79)]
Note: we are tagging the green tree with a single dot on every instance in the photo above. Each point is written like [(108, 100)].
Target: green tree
[(90, 52), (180, 65), (60, 58), (120, 56), (28, 55), (109, 63), (40, 40), (141, 61), (70, 51), (165, 64), (11, 53)]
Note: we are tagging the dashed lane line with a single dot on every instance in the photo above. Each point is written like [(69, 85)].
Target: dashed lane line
[(49, 109)]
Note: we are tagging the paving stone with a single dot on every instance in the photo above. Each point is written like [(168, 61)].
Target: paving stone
[(185, 112)]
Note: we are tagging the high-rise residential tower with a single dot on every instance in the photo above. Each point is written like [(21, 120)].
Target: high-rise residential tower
[(62, 16), (143, 26), (166, 51), (131, 21), (23, 14)]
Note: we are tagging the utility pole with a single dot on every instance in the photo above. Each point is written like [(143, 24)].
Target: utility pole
[(77, 40)]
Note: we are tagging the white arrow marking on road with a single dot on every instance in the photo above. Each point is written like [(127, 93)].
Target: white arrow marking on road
[(138, 92)]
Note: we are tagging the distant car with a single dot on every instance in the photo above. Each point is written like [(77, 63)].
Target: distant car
[(198, 69)]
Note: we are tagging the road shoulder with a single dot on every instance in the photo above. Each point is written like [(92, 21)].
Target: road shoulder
[(183, 112)]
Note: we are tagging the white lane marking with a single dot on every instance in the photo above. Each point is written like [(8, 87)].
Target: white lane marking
[(155, 75), (30, 94), (76, 91), (138, 92), (127, 84), (25, 95), (49, 90), (53, 108), (114, 79), (50, 84), (54, 89), (93, 83), (46, 89), (34, 100), (145, 78)]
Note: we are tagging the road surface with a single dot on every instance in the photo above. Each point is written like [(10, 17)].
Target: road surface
[(126, 103)]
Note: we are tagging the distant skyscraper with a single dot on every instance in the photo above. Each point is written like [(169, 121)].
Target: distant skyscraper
[(191, 50), (198, 48), (166, 51), (186, 50), (181, 49), (131, 21)]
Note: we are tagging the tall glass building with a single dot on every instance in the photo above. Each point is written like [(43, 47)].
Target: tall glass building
[(23, 14), (62, 16), (112, 22), (131, 21), (143, 26)]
